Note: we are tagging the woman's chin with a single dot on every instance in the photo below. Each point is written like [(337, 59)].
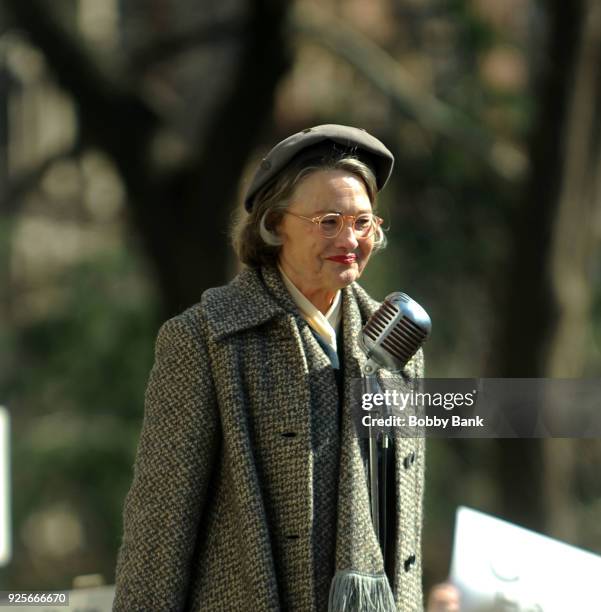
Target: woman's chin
[(348, 276)]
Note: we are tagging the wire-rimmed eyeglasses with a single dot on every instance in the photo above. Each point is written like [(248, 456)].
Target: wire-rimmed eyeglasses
[(331, 224)]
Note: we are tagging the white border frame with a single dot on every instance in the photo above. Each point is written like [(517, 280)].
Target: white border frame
[(5, 518)]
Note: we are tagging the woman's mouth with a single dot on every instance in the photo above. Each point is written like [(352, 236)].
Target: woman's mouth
[(343, 259)]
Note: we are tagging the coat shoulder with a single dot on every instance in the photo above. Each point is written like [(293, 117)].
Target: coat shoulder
[(220, 311), (243, 303), (184, 329)]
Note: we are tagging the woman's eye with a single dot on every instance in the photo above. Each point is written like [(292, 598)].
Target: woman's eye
[(363, 222), (329, 221)]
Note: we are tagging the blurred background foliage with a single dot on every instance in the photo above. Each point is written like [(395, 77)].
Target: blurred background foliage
[(128, 131)]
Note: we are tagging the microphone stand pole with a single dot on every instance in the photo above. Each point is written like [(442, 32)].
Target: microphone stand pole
[(376, 465), (391, 336)]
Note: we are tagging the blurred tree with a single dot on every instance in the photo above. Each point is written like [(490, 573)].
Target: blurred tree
[(75, 400), (545, 301), (181, 210), (501, 158), (574, 244)]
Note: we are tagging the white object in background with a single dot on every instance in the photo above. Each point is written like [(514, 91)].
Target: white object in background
[(499, 566), (5, 528)]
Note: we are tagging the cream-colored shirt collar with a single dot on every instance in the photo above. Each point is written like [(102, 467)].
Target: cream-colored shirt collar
[(325, 325)]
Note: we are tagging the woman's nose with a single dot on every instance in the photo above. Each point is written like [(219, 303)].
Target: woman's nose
[(347, 237)]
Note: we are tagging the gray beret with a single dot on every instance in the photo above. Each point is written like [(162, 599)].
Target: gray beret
[(342, 138)]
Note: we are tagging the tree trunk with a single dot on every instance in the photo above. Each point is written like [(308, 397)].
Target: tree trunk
[(528, 309), (573, 246)]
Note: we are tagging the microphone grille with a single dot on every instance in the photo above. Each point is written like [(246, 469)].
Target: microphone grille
[(396, 330), (404, 339), (380, 320)]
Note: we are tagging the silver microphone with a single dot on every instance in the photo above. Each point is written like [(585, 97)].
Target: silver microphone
[(394, 333), (391, 336)]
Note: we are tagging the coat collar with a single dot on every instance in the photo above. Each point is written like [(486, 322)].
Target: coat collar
[(252, 298), (257, 296)]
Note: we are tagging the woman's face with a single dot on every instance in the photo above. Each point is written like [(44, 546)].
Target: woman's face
[(315, 264)]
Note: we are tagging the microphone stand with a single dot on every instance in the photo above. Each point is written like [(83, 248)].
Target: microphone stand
[(384, 491), (377, 460), (391, 336)]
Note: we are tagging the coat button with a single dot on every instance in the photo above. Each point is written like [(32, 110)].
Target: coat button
[(409, 561), (292, 537), (409, 460), (289, 434)]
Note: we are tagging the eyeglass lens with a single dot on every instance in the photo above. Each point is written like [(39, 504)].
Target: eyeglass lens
[(331, 224)]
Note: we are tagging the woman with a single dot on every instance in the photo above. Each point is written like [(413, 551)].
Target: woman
[(249, 490)]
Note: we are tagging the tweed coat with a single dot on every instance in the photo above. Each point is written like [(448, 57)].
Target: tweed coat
[(219, 515)]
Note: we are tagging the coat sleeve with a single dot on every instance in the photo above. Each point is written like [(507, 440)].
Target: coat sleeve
[(173, 464)]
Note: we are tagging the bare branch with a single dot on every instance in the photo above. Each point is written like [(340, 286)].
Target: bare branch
[(168, 47), (386, 75)]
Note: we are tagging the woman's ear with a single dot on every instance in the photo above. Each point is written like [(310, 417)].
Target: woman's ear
[(273, 223), (269, 228)]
